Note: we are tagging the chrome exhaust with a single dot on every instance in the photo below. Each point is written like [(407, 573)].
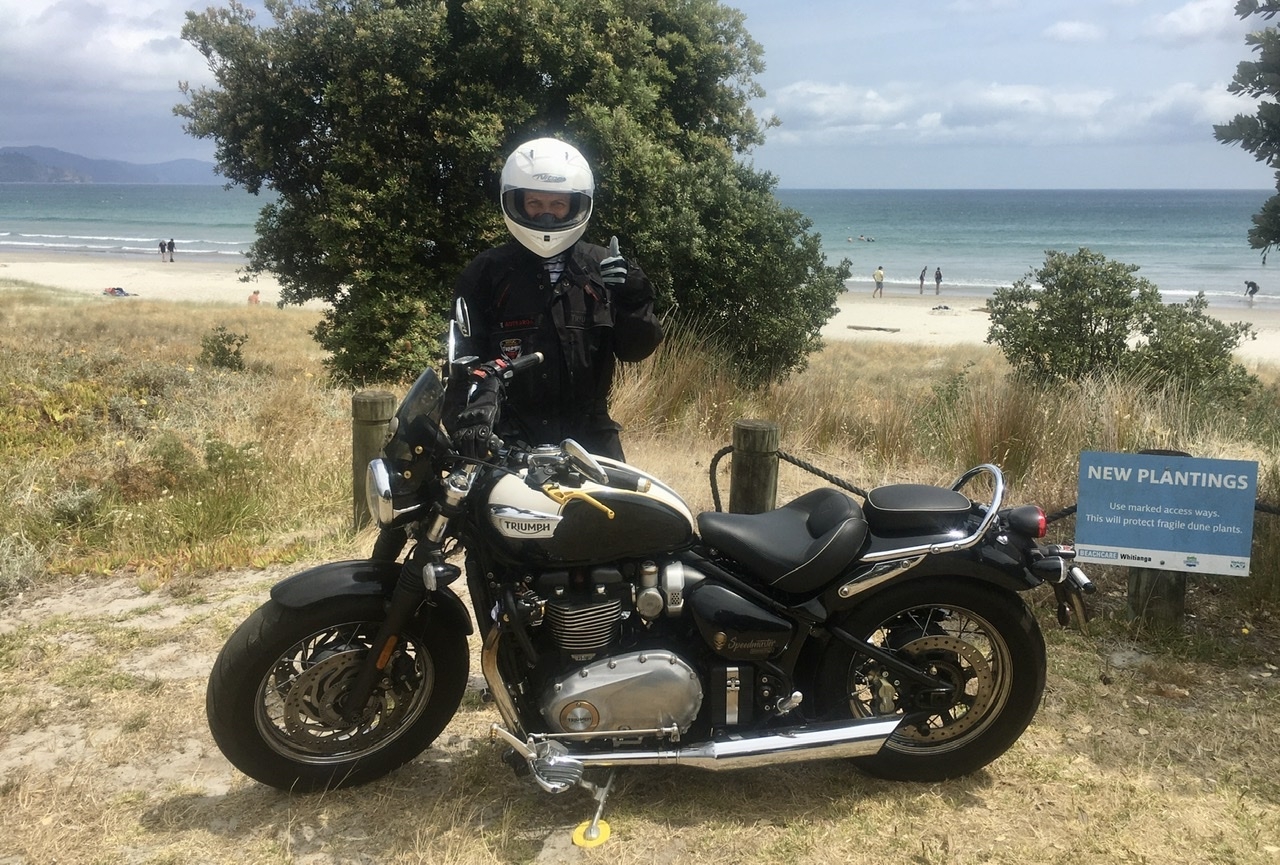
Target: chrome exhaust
[(827, 741)]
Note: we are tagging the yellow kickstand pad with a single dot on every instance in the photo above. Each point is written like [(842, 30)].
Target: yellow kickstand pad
[(580, 835)]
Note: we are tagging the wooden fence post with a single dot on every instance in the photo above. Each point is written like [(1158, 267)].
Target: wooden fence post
[(371, 411), (753, 475), (1158, 598)]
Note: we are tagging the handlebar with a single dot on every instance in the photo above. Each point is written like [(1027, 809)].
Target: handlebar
[(500, 368)]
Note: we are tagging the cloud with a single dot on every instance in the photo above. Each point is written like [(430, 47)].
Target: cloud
[(1075, 31), (998, 113), (1198, 21), (109, 46)]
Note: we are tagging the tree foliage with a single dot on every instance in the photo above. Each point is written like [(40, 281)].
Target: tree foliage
[(382, 126), (1259, 133), (1082, 314)]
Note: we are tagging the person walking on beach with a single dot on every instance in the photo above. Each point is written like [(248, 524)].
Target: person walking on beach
[(923, 271), (878, 276), (937, 281), (1250, 289), (170, 248), (162, 250)]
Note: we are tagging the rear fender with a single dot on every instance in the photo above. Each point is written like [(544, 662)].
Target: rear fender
[(358, 577), (986, 563)]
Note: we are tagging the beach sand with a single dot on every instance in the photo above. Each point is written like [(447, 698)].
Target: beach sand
[(945, 319), (198, 280), (950, 319)]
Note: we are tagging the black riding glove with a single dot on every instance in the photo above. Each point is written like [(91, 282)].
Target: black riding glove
[(473, 427)]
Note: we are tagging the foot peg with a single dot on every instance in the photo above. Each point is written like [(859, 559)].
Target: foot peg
[(788, 704), (553, 768), (555, 771)]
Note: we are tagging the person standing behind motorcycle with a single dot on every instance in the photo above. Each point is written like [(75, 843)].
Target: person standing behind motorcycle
[(583, 306)]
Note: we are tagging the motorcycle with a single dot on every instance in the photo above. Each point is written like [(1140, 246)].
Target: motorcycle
[(619, 629)]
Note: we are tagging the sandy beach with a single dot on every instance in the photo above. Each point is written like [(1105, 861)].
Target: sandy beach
[(948, 319), (200, 280), (944, 319)]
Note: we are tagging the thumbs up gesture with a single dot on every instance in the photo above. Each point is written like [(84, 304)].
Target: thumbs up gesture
[(613, 270)]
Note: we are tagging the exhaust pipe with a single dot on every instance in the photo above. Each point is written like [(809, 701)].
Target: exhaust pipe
[(827, 741)]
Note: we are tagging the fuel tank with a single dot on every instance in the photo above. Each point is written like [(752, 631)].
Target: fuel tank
[(634, 515)]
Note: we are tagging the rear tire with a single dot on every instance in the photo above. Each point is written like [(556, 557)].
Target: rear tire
[(978, 638), (276, 692)]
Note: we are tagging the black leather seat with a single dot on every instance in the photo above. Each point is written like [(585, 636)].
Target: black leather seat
[(915, 509), (797, 548)]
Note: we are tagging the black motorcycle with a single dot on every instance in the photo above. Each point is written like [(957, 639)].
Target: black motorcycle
[(618, 629)]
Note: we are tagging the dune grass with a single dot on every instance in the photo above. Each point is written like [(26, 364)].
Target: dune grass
[(124, 447)]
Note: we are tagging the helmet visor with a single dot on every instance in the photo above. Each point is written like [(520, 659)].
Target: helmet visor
[(547, 211)]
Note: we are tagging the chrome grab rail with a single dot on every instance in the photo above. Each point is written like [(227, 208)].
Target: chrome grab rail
[(997, 497)]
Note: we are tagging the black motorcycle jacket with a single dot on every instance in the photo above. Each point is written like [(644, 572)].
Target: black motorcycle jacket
[(581, 327)]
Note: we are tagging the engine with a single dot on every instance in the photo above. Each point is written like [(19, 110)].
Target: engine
[(644, 693), (594, 622)]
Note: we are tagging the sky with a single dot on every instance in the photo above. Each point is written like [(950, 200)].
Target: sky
[(938, 94)]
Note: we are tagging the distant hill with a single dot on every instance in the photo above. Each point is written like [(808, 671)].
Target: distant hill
[(47, 165)]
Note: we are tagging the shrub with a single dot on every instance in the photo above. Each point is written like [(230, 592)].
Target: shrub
[(1090, 316), (220, 348)]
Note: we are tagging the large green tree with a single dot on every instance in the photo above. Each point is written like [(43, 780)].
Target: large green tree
[(1259, 133), (382, 126)]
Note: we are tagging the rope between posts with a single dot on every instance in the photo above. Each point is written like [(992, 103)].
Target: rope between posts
[(1262, 507)]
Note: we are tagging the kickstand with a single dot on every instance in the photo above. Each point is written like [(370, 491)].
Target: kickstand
[(596, 831)]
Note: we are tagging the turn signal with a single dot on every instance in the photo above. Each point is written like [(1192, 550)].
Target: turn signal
[(1029, 520)]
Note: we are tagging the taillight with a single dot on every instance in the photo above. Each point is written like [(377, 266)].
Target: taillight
[(1029, 520)]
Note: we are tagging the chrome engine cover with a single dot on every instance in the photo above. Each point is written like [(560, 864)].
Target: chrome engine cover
[(633, 691)]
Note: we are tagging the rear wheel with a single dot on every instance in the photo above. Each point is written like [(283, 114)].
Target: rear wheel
[(277, 694), (980, 640)]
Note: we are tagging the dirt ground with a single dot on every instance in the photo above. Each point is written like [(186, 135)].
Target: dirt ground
[(105, 758)]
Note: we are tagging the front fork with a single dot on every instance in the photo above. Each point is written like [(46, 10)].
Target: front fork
[(424, 570)]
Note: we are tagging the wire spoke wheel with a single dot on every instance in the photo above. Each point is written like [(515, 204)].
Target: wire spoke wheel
[(301, 702), (979, 641), (961, 650), (278, 701)]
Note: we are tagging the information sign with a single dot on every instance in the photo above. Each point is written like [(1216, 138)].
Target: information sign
[(1170, 513)]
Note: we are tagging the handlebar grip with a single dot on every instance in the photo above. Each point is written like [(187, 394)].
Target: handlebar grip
[(1081, 580), (525, 361)]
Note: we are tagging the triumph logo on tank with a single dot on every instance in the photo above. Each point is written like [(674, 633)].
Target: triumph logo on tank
[(517, 523), (527, 528)]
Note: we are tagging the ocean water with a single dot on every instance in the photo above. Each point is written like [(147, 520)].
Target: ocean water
[(1184, 241), (127, 219)]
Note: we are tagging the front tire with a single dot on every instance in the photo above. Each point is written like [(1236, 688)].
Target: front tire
[(276, 692), (981, 640)]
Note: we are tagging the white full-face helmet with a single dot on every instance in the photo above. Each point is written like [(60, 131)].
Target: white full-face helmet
[(546, 165)]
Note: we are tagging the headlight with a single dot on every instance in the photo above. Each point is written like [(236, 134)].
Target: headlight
[(377, 492), (379, 498)]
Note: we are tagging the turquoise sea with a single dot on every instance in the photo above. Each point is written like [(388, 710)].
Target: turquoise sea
[(1184, 241), (126, 219)]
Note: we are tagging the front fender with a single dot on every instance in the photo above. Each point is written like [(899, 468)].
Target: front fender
[(358, 577)]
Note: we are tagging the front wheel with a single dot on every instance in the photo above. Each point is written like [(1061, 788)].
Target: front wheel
[(980, 640), (276, 696)]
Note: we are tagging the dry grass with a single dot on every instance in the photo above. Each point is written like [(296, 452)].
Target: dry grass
[(1135, 756), (1148, 748)]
